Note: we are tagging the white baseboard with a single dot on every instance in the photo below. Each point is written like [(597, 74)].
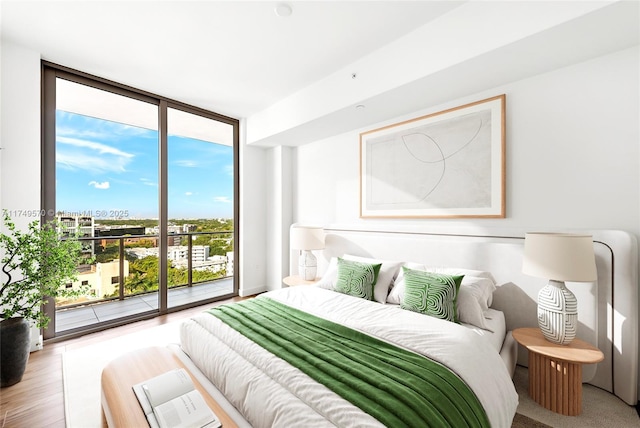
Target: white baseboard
[(244, 291), (36, 339)]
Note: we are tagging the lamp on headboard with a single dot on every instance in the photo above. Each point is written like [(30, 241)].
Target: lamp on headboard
[(559, 257), (307, 238)]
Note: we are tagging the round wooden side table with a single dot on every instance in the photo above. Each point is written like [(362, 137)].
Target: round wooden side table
[(555, 371)]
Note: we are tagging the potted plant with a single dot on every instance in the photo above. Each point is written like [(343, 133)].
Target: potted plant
[(35, 265)]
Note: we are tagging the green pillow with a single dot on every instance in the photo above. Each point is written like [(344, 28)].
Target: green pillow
[(431, 293), (357, 278)]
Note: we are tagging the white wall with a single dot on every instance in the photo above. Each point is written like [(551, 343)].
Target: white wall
[(253, 244), (571, 150), (278, 215), (20, 134), (20, 139)]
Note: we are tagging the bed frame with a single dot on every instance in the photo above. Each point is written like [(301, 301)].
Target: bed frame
[(607, 308)]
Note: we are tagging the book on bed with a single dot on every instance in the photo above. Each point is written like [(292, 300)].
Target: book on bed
[(171, 400)]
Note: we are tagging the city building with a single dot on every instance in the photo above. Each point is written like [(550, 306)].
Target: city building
[(102, 279), (78, 225)]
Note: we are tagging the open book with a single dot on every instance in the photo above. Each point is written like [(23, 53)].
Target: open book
[(170, 400)]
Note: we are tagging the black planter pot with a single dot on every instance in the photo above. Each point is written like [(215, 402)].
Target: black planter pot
[(15, 343)]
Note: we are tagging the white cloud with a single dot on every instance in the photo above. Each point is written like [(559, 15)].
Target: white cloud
[(99, 147), (62, 132), (186, 163), (188, 193), (97, 185), (222, 199), (74, 153), (88, 162), (148, 182)]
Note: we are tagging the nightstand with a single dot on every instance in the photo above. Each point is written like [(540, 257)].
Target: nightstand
[(555, 371), (295, 280)]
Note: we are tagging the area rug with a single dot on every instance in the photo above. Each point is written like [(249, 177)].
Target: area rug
[(599, 408), (522, 421), (82, 369)]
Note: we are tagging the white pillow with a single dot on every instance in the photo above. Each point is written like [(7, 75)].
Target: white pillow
[(397, 292), (388, 272), (330, 276), (490, 284), (483, 290), (471, 301)]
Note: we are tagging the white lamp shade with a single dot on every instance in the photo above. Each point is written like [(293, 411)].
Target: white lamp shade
[(559, 257), (306, 238)]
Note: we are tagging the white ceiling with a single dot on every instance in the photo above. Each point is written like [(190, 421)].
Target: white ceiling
[(232, 57), (288, 75)]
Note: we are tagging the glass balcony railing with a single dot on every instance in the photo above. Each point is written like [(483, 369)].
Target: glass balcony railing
[(127, 266)]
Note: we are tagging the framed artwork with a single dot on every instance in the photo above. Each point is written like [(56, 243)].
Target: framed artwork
[(449, 164)]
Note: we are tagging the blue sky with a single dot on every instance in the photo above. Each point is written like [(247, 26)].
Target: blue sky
[(104, 167)]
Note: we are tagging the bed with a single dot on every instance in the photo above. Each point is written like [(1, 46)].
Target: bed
[(262, 390)]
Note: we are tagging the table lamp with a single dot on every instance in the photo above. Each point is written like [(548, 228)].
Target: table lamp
[(305, 239), (559, 257)]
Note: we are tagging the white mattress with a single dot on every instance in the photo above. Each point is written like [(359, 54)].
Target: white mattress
[(269, 392)]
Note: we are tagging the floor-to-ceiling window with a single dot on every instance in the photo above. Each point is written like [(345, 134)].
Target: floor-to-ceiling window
[(200, 175), (150, 186)]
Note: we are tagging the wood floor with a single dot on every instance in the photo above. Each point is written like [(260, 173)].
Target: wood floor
[(38, 400)]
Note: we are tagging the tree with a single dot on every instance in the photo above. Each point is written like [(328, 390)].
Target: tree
[(36, 264)]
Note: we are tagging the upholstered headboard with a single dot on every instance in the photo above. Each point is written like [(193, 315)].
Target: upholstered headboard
[(607, 309)]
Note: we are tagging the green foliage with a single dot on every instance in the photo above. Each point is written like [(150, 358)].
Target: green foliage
[(202, 224), (143, 276), (218, 244), (36, 264), (107, 253), (141, 243)]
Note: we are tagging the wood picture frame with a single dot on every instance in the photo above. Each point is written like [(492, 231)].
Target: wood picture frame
[(449, 164)]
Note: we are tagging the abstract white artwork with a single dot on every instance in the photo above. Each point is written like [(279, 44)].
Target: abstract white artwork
[(446, 164)]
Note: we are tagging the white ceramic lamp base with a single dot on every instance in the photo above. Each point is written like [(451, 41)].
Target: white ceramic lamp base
[(557, 313), (307, 266)]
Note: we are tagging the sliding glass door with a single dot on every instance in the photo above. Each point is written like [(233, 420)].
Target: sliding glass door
[(106, 175), (150, 187), (200, 195)]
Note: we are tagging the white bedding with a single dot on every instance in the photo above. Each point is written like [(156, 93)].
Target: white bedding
[(269, 392), (494, 320)]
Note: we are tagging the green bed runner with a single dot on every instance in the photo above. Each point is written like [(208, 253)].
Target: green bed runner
[(397, 387)]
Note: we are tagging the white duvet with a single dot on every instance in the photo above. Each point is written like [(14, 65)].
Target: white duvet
[(271, 393)]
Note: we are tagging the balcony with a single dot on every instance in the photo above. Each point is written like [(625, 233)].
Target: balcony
[(121, 283), (78, 317)]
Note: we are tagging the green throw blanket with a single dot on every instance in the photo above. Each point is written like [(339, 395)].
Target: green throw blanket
[(397, 387)]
